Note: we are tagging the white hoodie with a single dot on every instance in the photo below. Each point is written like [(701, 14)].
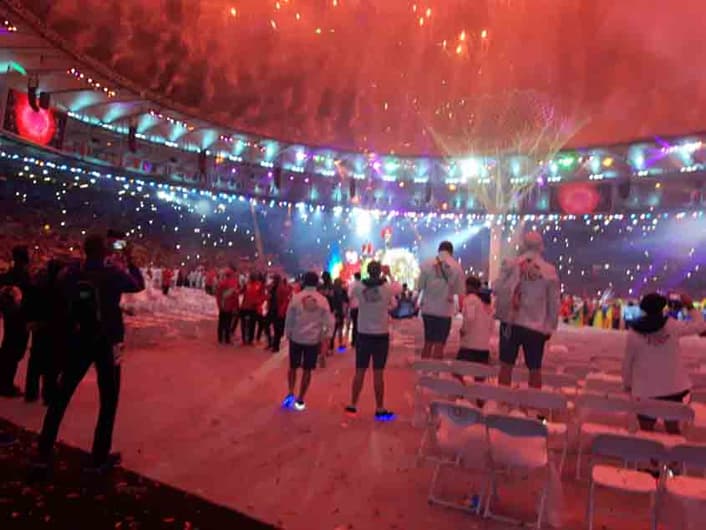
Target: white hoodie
[(440, 279), (309, 318), (527, 293), (652, 366)]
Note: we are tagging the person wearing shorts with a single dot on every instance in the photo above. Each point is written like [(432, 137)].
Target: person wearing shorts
[(375, 296), (309, 324), (527, 304), (477, 326), (440, 280)]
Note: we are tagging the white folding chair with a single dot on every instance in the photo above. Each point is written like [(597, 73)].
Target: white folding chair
[(698, 380), (630, 450), (502, 395), (516, 443), (465, 436), (685, 494), (578, 370), (439, 388), (556, 405), (431, 366), (614, 412), (665, 411), (565, 383), (603, 384), (469, 369)]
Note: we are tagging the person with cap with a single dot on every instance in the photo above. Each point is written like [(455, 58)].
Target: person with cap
[(308, 325), (440, 280), (653, 367), (15, 296), (375, 295), (527, 295)]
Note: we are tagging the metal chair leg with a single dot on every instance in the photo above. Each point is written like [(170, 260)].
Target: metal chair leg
[(589, 508), (542, 503)]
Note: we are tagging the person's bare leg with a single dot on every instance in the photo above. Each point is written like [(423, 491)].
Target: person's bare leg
[(505, 374), (535, 378), (358, 380), (306, 379), (438, 350), (292, 379), (426, 350), (379, 383)]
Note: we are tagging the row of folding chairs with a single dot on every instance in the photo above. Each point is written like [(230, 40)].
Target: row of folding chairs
[(635, 454), (593, 413), (492, 444), (552, 405)]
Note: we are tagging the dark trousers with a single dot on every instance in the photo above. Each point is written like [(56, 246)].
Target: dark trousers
[(86, 354), (337, 329), (14, 345), (43, 363), (263, 325), (247, 325), (278, 324), (165, 290), (225, 320), (354, 319), (234, 322)]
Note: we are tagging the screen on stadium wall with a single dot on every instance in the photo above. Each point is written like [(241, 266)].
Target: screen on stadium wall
[(44, 127)]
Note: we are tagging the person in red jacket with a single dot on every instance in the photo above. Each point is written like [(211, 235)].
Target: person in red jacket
[(167, 275), (253, 297), (211, 279), (280, 297), (227, 295)]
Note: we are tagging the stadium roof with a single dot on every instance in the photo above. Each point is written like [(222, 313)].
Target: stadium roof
[(411, 78)]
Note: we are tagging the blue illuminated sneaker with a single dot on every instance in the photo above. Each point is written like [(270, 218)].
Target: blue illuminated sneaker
[(288, 401), (299, 405), (384, 415)]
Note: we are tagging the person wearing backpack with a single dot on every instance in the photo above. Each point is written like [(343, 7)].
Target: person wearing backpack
[(92, 291)]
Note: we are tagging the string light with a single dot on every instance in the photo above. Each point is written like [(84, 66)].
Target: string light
[(93, 83)]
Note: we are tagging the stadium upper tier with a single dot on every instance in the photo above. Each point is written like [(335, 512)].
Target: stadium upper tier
[(104, 117)]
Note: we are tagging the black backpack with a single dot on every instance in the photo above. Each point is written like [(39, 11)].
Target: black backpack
[(85, 305)]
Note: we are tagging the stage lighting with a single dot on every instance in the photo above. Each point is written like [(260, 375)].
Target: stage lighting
[(470, 168), (363, 222)]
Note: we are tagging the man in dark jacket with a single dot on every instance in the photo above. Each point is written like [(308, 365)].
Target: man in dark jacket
[(93, 291), (14, 300)]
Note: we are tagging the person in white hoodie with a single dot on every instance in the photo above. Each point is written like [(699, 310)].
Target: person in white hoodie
[(375, 295), (652, 366), (440, 280), (308, 325), (527, 305), (478, 324)]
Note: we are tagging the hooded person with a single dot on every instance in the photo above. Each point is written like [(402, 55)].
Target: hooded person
[(527, 305), (375, 296), (653, 366)]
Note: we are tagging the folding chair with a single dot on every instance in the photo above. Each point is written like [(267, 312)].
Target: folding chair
[(441, 388), (431, 366), (469, 436), (578, 370), (665, 411), (612, 409), (698, 395), (469, 369), (565, 383), (502, 395), (556, 405), (603, 384), (698, 380), (686, 492), (630, 450), (516, 443)]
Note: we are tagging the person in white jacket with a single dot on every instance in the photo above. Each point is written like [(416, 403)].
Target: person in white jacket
[(374, 295), (440, 280), (527, 305), (652, 366), (309, 324)]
